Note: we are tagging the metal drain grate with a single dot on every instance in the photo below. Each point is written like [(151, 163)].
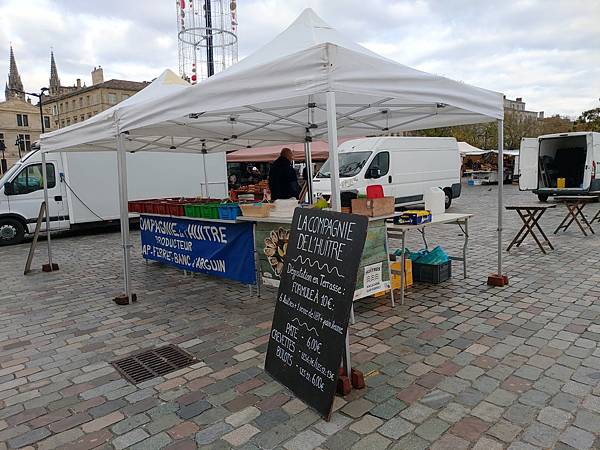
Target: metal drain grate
[(153, 363)]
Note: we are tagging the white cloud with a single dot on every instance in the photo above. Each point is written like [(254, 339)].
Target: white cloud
[(546, 51)]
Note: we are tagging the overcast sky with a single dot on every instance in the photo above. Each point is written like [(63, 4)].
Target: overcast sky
[(546, 51)]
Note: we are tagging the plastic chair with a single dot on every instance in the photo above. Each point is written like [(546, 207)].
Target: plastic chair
[(375, 191)]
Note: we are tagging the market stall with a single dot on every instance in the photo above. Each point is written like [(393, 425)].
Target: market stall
[(309, 83)]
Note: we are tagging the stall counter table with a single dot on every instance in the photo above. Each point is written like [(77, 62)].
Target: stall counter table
[(400, 232), (271, 235)]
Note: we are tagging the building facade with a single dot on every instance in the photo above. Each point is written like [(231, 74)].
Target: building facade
[(517, 107), (83, 102)]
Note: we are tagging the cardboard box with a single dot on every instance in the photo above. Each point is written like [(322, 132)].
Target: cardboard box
[(373, 207)]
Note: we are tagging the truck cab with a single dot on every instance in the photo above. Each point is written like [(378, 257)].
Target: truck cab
[(22, 192), (559, 164)]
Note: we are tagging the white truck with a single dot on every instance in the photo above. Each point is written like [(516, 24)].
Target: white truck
[(83, 187), (406, 167), (559, 164)]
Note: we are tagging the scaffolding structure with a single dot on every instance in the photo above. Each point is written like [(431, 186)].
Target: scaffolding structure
[(207, 35)]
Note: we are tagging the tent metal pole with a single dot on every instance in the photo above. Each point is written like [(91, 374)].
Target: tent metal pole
[(309, 174), (500, 190), (205, 176), (45, 181), (333, 151), (124, 214)]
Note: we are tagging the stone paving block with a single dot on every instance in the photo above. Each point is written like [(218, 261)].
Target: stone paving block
[(366, 424), (556, 418), (372, 442), (306, 440), (130, 438), (540, 435), (487, 411), (450, 442), (432, 429), (342, 440), (272, 438), (162, 423), (388, 409), (505, 431), (244, 416), (241, 435), (335, 424), (155, 442), (271, 418), (486, 443), (60, 440), (212, 433), (396, 428), (577, 438), (357, 408), (567, 402), (28, 438), (417, 413), (588, 421)]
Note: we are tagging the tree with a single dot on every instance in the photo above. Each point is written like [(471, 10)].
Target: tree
[(588, 120)]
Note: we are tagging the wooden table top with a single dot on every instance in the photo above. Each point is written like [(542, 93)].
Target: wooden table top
[(534, 207), (576, 198)]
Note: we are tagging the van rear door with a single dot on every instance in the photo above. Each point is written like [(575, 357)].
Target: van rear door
[(528, 164)]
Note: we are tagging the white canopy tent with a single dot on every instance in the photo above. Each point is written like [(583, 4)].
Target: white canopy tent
[(466, 149), (308, 83)]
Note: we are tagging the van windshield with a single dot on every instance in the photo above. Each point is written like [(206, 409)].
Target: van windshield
[(350, 164)]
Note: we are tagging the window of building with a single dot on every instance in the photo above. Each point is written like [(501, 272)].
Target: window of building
[(61, 107), (73, 102), (89, 115), (31, 179), (68, 122), (95, 112), (55, 110), (22, 120), (46, 122), (88, 100), (82, 118), (62, 123), (56, 123), (24, 142), (74, 119), (2, 145), (125, 96), (111, 98), (81, 102)]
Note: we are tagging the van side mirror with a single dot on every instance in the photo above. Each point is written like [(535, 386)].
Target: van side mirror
[(374, 172), (9, 189)]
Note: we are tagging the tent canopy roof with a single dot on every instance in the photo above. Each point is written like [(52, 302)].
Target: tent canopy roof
[(277, 95), (319, 152)]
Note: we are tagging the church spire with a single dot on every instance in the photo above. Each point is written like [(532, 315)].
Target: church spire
[(54, 80), (14, 80)]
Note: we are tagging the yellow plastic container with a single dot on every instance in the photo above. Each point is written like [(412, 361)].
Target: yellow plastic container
[(560, 183), (408, 278)]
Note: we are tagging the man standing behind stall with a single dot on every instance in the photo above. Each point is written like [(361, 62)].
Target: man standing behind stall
[(283, 181)]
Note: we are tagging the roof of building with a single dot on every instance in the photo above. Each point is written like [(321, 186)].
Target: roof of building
[(125, 85), (16, 104)]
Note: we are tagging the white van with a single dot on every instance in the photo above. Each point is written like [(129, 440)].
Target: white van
[(405, 166), (83, 187), (572, 157)]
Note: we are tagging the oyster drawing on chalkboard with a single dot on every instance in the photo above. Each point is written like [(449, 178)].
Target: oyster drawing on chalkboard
[(276, 247)]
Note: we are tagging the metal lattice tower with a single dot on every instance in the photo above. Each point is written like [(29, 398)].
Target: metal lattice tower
[(207, 34)]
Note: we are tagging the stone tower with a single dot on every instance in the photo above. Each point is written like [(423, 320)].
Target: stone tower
[(54, 85), (14, 80)]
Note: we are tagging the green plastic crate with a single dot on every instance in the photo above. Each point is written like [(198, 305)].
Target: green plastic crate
[(192, 210), (209, 211)]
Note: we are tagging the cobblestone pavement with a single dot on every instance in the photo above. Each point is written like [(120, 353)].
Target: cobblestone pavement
[(460, 366)]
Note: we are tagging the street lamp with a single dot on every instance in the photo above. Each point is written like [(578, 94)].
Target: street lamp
[(39, 96)]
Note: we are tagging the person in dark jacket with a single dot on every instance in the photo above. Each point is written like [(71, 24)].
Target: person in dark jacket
[(283, 181)]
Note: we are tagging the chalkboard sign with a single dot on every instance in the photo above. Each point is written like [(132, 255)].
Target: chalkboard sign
[(313, 305)]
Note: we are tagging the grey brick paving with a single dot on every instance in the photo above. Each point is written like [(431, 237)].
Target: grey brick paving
[(460, 365)]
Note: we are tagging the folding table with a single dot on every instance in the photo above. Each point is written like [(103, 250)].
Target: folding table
[(596, 217), (575, 205), (400, 231), (530, 215)]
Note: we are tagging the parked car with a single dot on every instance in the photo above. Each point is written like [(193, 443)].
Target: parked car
[(83, 187), (559, 164), (405, 166)]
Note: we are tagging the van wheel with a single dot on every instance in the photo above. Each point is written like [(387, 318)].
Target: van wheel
[(11, 231), (543, 197), (447, 198)]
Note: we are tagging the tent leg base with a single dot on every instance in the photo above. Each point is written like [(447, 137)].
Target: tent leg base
[(357, 378), (49, 268), (344, 386), (123, 300), (497, 280)]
